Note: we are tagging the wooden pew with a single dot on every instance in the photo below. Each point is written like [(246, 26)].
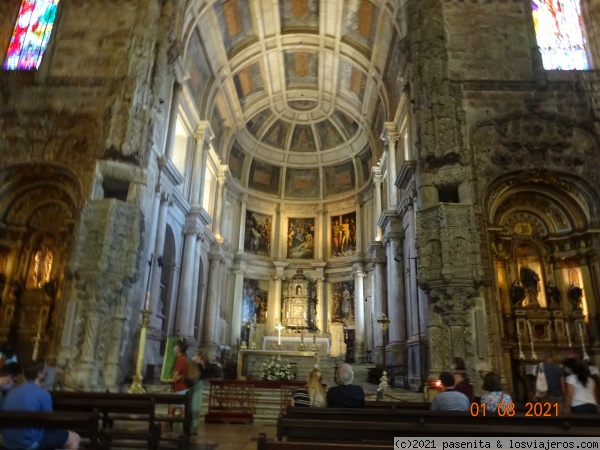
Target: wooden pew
[(85, 424), (163, 399), (355, 431), (123, 411)]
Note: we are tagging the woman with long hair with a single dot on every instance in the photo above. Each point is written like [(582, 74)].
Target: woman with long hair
[(313, 394), (581, 394)]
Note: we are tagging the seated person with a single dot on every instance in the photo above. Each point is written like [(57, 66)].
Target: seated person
[(313, 394), (10, 376), (346, 395), (29, 396), (462, 380), (450, 399), (495, 395)]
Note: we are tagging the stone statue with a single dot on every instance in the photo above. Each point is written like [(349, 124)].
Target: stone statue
[(575, 293), (530, 281), (553, 295)]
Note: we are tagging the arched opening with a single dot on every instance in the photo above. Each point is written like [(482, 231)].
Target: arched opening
[(167, 302)]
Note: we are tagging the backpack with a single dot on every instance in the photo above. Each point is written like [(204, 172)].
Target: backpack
[(193, 373)]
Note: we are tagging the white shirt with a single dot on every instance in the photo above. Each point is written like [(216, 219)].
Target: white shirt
[(582, 395)]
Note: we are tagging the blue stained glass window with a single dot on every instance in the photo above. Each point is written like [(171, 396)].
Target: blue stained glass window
[(559, 34), (31, 34)]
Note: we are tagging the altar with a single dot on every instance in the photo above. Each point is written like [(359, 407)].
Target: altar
[(250, 362), (292, 343)]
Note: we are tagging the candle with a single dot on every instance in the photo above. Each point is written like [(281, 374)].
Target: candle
[(147, 303)]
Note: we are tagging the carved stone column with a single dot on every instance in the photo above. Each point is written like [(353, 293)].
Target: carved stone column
[(238, 294), (377, 253), (359, 314), (211, 319)]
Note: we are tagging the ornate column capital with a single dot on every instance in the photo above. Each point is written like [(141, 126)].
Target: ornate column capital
[(389, 134), (204, 133)]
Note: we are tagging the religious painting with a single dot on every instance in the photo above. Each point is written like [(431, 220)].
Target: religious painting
[(342, 305), (301, 234), (254, 300), (343, 234), (264, 177), (257, 236)]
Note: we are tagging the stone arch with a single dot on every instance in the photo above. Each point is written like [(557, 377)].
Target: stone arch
[(39, 206)]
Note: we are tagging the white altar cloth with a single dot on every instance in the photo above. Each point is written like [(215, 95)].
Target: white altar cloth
[(291, 343)]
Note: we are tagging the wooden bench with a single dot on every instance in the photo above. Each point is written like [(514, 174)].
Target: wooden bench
[(163, 399), (121, 411), (268, 444), (85, 424)]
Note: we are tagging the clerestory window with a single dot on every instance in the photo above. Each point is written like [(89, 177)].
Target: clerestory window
[(31, 34), (560, 35)]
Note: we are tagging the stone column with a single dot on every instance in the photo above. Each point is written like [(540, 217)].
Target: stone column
[(359, 225), (194, 296), (211, 319), (172, 120), (242, 231), (220, 203), (359, 314), (377, 182), (390, 137), (159, 246), (186, 283), (274, 302), (203, 137), (321, 297), (238, 293), (377, 253)]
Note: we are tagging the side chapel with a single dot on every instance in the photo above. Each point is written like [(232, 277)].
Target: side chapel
[(233, 165)]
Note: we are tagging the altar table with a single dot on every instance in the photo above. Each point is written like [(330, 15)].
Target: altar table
[(292, 343)]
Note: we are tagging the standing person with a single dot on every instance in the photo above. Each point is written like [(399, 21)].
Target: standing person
[(581, 393), (495, 395), (554, 378), (198, 390), (313, 394), (450, 399), (180, 369), (30, 397), (463, 384), (346, 395)]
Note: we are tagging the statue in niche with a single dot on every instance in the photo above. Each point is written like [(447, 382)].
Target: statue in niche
[(553, 295), (517, 294), (530, 282), (575, 293), (42, 268)]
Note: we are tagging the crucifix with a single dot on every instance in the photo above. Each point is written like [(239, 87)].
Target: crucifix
[(279, 329)]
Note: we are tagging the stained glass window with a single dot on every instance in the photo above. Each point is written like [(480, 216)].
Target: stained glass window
[(31, 34), (559, 34)]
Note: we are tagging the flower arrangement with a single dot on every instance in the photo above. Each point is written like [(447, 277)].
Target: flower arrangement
[(275, 370)]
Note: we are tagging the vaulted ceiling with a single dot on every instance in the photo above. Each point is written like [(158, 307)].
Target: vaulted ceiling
[(297, 91)]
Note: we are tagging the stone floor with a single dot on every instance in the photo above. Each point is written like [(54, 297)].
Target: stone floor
[(229, 437)]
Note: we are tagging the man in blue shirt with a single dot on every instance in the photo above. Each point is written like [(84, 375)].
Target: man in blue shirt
[(29, 396), (450, 399), (346, 395)]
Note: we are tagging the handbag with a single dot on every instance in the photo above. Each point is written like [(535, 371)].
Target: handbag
[(541, 384)]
